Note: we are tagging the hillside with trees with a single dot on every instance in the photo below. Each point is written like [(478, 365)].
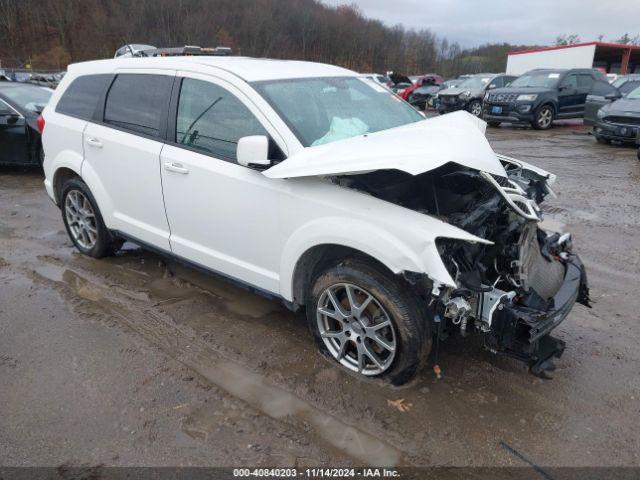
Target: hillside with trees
[(49, 34)]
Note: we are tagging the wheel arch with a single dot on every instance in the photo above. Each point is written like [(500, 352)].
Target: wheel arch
[(320, 241), (60, 177), (550, 102), (317, 258)]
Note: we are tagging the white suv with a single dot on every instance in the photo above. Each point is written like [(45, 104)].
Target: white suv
[(320, 187)]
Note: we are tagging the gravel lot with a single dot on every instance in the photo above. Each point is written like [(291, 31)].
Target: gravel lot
[(134, 360)]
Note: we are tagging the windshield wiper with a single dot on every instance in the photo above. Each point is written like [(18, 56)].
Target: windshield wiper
[(198, 118)]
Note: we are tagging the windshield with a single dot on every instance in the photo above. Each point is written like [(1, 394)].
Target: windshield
[(537, 79), (474, 82), (29, 98), (634, 94), (326, 109)]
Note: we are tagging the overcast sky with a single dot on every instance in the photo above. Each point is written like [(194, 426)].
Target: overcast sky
[(539, 22)]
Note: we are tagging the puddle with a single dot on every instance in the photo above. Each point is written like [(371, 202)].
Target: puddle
[(232, 377)]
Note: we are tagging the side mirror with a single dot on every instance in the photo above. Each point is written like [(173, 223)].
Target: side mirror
[(253, 151), (612, 96), (492, 86)]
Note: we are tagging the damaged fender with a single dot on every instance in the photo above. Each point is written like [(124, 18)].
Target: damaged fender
[(408, 248)]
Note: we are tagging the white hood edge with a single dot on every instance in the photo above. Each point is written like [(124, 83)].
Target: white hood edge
[(415, 148)]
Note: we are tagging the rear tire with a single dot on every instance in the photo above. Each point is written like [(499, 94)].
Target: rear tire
[(375, 310), (543, 118), (83, 221)]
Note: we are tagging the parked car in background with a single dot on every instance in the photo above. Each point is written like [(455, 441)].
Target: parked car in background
[(20, 76), (452, 82), (316, 186), (132, 50), (424, 97), (379, 78), (469, 93), (541, 96), (601, 93), (399, 83), (619, 120), (20, 106), (420, 81), (627, 83)]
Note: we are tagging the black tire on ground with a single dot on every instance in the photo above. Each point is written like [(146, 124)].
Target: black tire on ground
[(441, 112), (494, 124), (475, 108), (543, 118), (638, 153), (411, 327), (600, 139), (105, 243)]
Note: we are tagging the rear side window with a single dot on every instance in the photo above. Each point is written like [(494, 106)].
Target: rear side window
[(138, 102), (212, 119), (81, 96)]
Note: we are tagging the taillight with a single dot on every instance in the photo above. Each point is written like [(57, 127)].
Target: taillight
[(40, 124)]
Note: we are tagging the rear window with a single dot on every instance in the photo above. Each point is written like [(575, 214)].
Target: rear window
[(81, 96), (137, 102)]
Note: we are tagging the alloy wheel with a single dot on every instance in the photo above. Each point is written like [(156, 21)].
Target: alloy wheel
[(356, 329), (476, 108), (81, 219), (545, 117)]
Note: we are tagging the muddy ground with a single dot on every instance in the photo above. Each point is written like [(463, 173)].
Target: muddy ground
[(134, 360)]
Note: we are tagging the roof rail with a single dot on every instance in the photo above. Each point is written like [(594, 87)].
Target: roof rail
[(187, 50)]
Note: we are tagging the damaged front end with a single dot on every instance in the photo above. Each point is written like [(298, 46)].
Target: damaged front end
[(513, 292)]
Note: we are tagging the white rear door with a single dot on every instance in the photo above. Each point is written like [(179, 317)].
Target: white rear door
[(122, 156)]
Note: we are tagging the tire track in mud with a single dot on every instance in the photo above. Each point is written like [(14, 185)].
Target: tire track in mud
[(120, 306)]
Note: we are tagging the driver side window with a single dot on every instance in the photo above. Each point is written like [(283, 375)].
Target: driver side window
[(211, 119)]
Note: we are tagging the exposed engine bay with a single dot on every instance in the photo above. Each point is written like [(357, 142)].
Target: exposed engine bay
[(514, 291)]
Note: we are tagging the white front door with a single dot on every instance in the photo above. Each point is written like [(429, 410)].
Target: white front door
[(222, 215), (122, 157)]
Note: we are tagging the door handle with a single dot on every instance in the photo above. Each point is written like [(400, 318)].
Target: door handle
[(94, 142), (176, 168)]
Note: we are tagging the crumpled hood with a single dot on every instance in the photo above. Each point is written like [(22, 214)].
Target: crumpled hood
[(414, 148)]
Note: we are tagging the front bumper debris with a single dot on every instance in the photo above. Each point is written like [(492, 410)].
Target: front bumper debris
[(521, 327), (450, 104)]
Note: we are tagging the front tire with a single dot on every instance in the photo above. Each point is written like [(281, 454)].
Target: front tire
[(367, 320), (83, 221), (493, 124), (544, 118), (475, 108)]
